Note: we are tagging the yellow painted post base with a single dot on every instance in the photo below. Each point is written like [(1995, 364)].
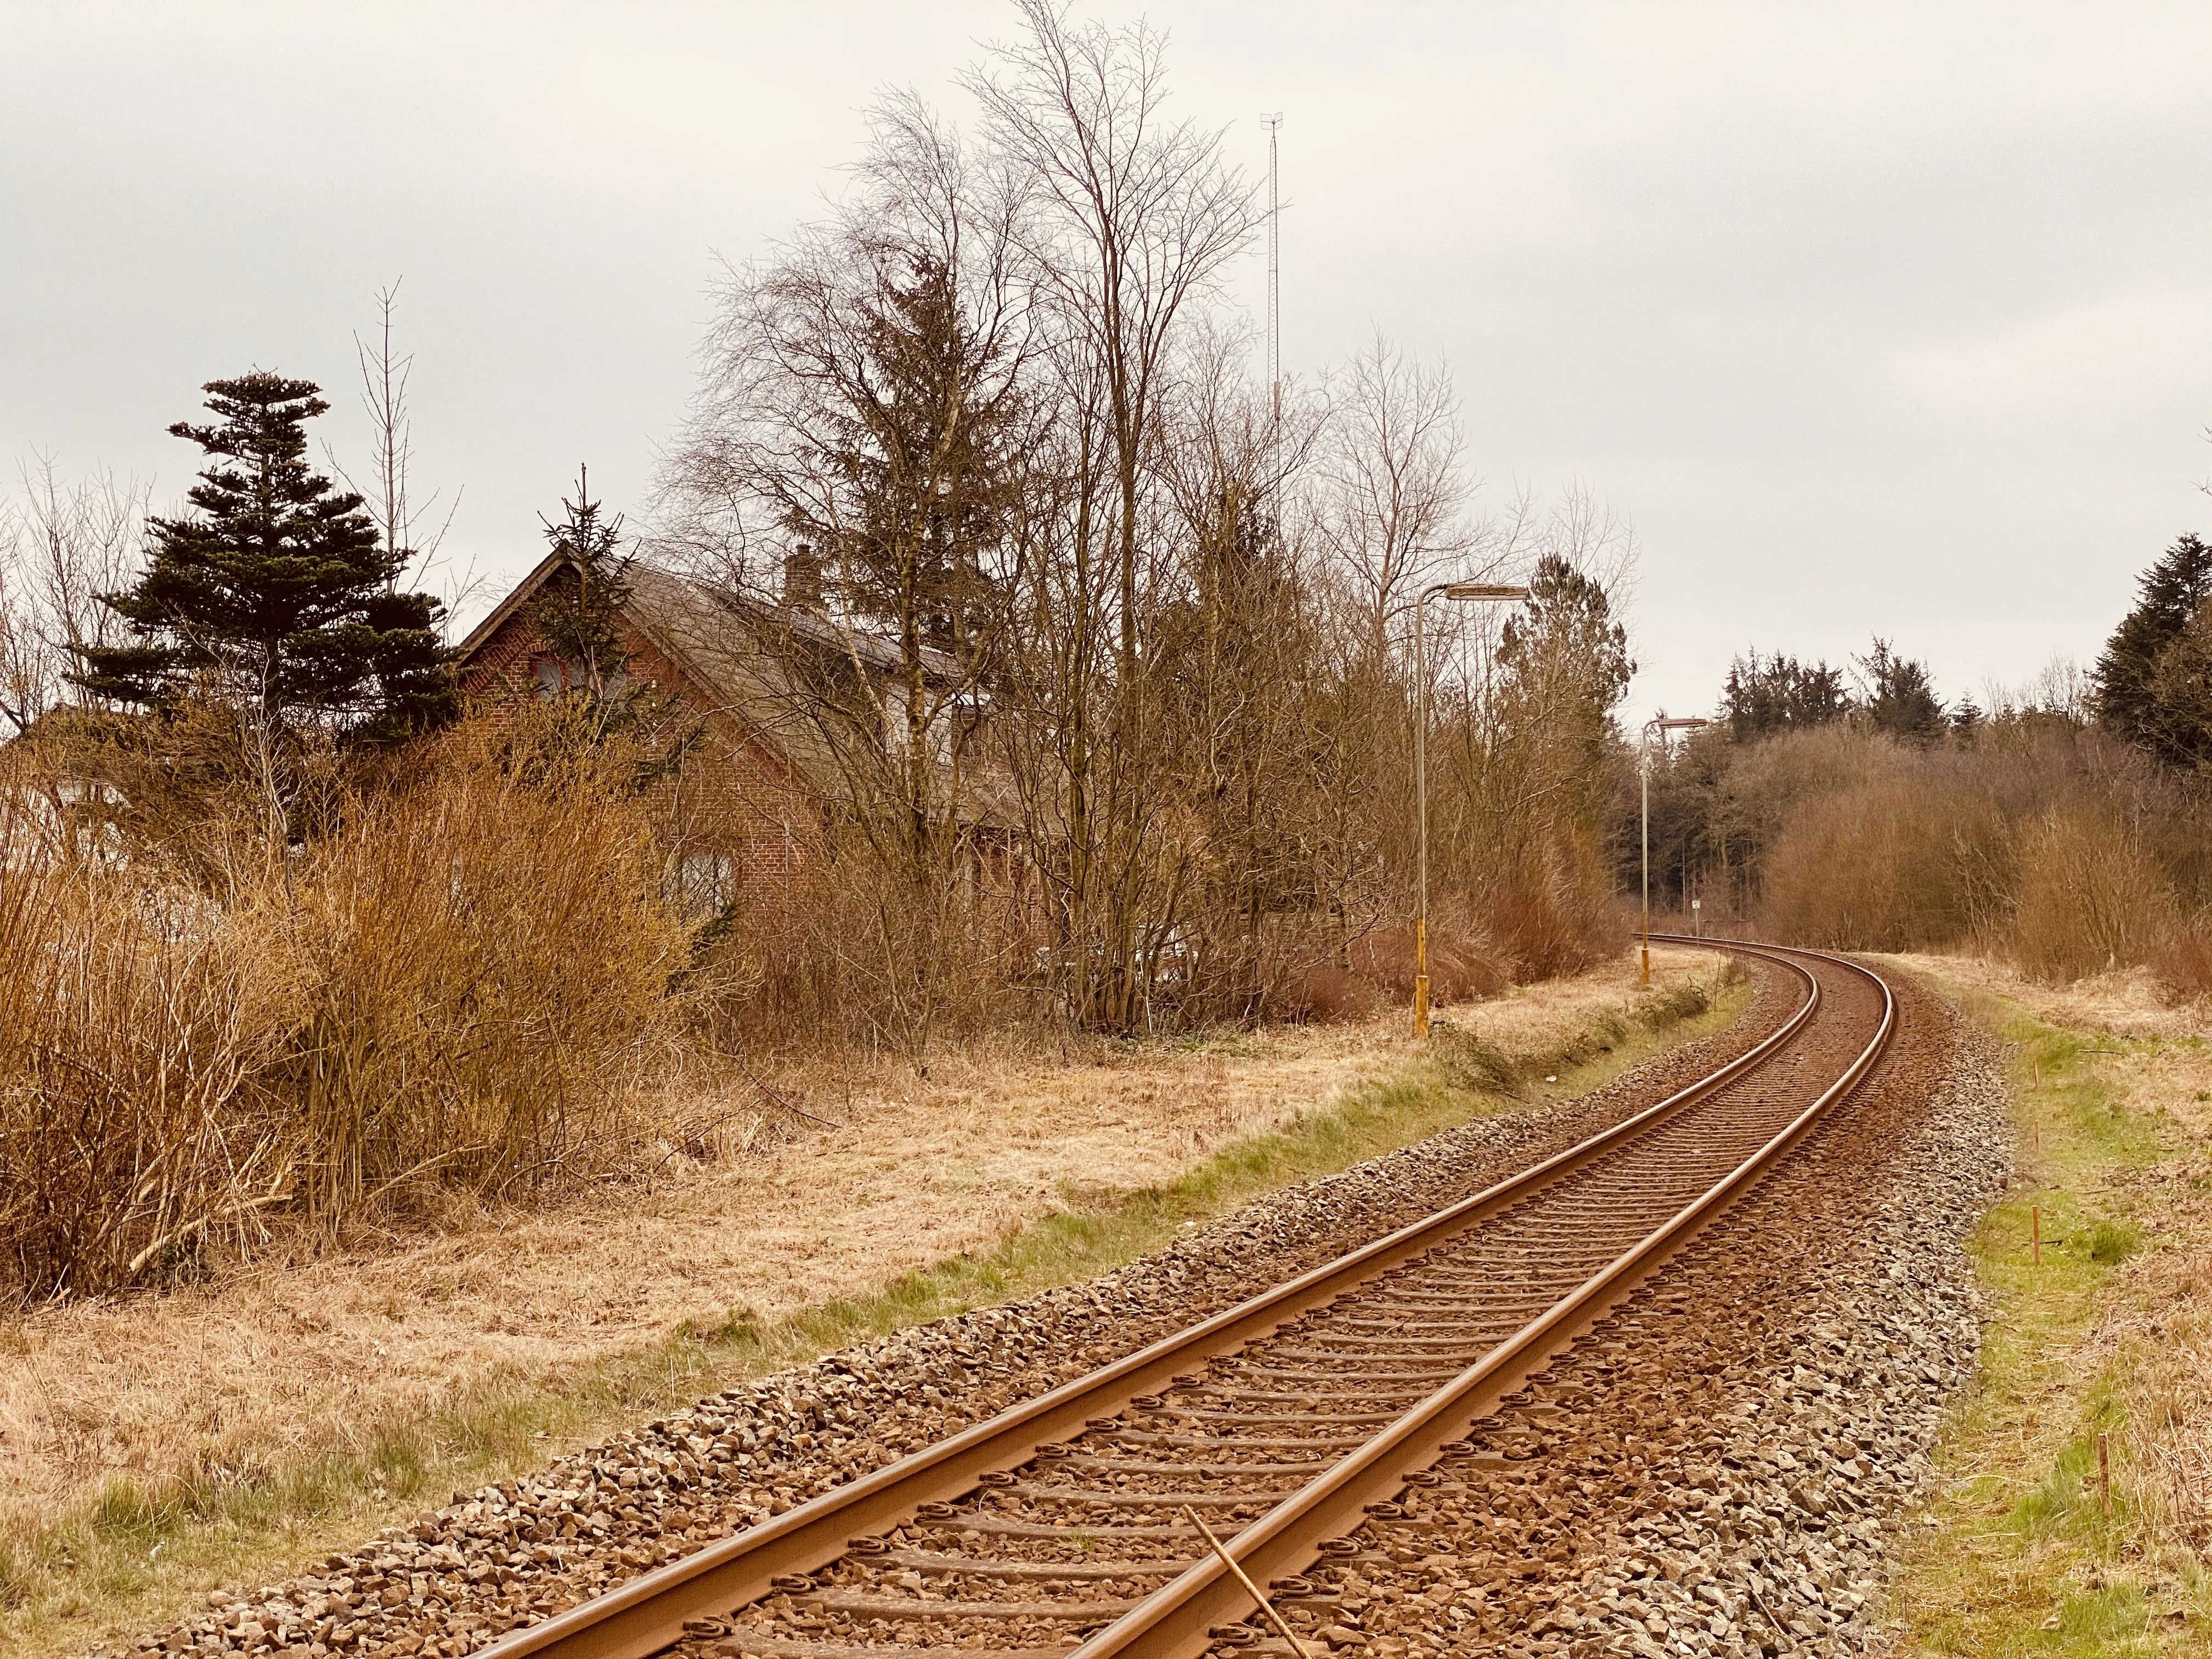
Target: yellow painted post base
[(1647, 961), (1420, 1004)]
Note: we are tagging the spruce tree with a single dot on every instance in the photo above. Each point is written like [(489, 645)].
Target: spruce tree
[(1763, 695), (579, 612), (277, 595), (920, 455), (2127, 695), (1900, 695)]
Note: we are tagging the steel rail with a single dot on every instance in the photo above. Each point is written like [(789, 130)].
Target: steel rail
[(1174, 1621), (649, 1612)]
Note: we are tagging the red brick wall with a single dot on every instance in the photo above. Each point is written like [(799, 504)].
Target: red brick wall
[(732, 795)]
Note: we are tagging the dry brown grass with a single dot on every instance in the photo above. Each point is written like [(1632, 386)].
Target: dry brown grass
[(2131, 1001), (259, 1368)]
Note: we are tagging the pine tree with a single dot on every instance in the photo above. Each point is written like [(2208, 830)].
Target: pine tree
[(1900, 695), (1563, 661), (277, 595), (579, 612), (1777, 693), (2127, 695)]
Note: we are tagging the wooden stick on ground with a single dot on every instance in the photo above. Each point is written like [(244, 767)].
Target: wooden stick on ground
[(1253, 1590)]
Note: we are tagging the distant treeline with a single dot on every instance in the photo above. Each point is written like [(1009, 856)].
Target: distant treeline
[(2065, 826)]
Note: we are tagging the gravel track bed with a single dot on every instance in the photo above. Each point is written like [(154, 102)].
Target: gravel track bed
[(1722, 1468), (509, 1554)]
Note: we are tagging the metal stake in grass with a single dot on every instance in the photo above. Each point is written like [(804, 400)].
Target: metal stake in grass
[(1250, 1589), (2104, 1475)]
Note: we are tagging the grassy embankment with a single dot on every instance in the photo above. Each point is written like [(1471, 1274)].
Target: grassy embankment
[(142, 1554), (2110, 1334)]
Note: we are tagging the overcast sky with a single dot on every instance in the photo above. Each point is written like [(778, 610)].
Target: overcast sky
[(1889, 319)]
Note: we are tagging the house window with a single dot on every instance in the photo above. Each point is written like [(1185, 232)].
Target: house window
[(553, 675), (703, 882)]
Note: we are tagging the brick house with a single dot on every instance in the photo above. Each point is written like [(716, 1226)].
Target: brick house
[(756, 789)]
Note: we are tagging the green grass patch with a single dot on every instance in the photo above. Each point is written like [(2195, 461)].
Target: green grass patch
[(2016, 1557), (142, 1551)]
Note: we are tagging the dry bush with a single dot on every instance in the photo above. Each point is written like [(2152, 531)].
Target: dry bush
[(2184, 963), (1556, 921), (2041, 841), (1884, 864), (1464, 962), (1331, 992), (846, 952), (461, 983), (2090, 896)]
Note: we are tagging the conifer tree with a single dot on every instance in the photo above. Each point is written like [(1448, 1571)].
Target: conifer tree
[(1900, 695), (2127, 696), (1764, 695), (277, 595), (578, 612)]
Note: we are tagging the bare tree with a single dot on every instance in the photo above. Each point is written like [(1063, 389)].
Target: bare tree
[(1393, 490), (385, 374), (1134, 215), (62, 546), (987, 424)]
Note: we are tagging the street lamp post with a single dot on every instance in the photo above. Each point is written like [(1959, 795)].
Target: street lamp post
[(1462, 593), (1662, 725)]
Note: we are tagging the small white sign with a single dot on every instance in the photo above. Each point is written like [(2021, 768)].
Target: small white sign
[(1697, 904)]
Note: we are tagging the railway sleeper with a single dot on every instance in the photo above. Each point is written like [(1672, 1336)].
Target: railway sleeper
[(856, 1605), (929, 1563)]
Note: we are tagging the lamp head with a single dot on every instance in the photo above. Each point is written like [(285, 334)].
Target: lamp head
[(1465, 591)]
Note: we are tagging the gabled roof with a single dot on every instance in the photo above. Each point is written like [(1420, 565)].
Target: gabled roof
[(719, 639), (684, 615)]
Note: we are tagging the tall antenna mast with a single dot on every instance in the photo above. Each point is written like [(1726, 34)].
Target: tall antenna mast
[(1275, 275)]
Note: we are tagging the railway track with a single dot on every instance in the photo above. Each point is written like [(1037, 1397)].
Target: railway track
[(1390, 1378)]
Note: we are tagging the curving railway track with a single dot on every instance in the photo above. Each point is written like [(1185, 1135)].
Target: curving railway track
[(1365, 1393)]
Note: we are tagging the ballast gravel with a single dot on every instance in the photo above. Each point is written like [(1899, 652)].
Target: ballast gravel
[(1774, 1536)]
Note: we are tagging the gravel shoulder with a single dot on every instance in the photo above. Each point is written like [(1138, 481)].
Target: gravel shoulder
[(149, 1448)]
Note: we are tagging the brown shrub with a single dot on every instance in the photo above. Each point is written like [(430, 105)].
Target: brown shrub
[(1463, 963), (2090, 896), (1887, 864), (463, 981), (848, 951), (2184, 962), (1329, 992), (1549, 929)]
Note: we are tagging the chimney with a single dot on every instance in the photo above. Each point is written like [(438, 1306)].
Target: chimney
[(802, 579)]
